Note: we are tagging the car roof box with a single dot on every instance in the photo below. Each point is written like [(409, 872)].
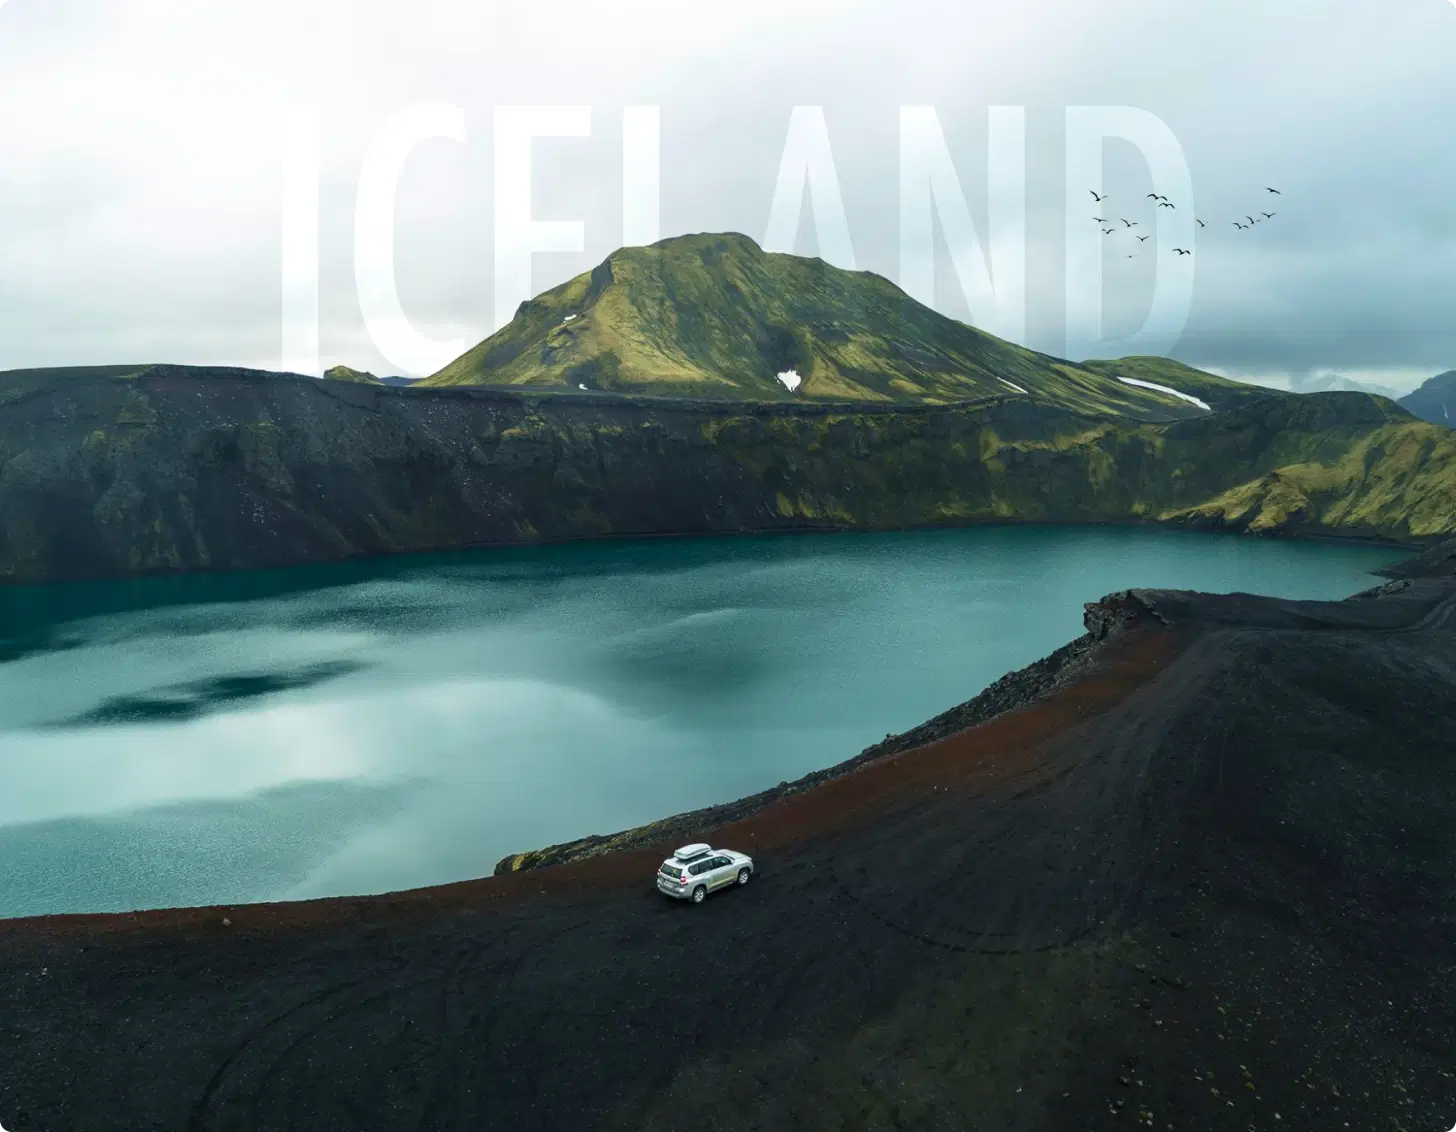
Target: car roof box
[(688, 852)]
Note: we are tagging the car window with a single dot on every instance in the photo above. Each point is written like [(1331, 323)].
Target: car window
[(672, 871), (697, 870), (721, 862)]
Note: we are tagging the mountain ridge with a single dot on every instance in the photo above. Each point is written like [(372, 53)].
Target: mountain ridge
[(1434, 400), (1335, 382), (174, 469)]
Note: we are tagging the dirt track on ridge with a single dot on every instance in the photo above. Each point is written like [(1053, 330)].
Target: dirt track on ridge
[(1210, 880)]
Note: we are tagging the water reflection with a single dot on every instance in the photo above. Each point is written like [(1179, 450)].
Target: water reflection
[(368, 726), (235, 850), (179, 702)]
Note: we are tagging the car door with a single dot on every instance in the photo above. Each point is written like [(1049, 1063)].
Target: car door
[(722, 872)]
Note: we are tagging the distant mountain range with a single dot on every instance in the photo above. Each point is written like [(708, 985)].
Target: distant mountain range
[(1333, 382), (1435, 400)]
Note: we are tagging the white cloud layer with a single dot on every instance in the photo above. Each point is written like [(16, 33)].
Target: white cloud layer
[(140, 168)]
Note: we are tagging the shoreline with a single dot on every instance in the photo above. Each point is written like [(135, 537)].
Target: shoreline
[(1412, 545), (1116, 623), (1108, 622), (1105, 619)]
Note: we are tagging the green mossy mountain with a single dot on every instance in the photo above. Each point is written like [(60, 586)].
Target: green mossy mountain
[(131, 470), (715, 316), (344, 373)]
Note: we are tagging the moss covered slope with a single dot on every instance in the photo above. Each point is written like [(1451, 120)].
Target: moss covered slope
[(345, 373), (716, 316)]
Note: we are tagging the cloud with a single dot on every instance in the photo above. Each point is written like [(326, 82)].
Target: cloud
[(140, 175)]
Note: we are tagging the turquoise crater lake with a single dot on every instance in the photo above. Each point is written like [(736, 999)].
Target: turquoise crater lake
[(374, 726)]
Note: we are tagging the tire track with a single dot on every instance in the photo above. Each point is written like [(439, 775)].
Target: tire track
[(257, 1081), (196, 1121)]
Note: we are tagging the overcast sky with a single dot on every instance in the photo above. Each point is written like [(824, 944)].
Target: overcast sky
[(141, 168)]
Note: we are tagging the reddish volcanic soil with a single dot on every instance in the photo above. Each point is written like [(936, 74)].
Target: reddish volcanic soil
[(1204, 883)]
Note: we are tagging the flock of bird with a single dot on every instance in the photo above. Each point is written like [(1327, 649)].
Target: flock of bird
[(1164, 202)]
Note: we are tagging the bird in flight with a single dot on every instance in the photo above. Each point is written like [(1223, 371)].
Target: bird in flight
[(1251, 220), (1238, 225), (1101, 220), (1276, 192), (1165, 204), (1201, 224), (1108, 231), (1141, 238), (1182, 251), (1266, 215), (1129, 223), (1096, 196), (1155, 196)]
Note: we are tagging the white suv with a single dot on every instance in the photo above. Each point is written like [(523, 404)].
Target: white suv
[(696, 870)]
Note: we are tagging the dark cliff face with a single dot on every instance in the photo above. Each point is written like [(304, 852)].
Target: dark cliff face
[(172, 469), (1435, 400), (1438, 561)]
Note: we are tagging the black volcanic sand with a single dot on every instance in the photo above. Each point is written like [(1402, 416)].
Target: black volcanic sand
[(1205, 882)]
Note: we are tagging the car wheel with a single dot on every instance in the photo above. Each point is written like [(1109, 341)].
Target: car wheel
[(698, 894), (743, 875)]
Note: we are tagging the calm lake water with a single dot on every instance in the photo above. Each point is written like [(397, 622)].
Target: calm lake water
[(369, 727)]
